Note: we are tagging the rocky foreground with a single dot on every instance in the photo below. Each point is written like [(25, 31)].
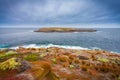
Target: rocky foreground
[(58, 29), (58, 64)]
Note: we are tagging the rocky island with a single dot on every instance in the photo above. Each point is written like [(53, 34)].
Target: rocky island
[(58, 29), (56, 63)]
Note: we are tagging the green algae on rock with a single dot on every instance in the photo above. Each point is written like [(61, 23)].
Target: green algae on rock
[(103, 59), (31, 57), (60, 64), (9, 64)]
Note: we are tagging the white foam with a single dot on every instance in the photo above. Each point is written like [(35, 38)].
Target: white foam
[(59, 46), (50, 45), (96, 48), (114, 52)]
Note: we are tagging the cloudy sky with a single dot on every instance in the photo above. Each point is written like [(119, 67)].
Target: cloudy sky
[(59, 12)]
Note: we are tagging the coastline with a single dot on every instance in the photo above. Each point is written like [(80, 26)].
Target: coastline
[(59, 46), (57, 63)]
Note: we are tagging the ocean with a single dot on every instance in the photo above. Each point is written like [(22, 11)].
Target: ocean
[(105, 38)]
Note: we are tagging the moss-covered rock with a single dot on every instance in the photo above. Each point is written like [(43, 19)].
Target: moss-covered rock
[(9, 64), (54, 60), (103, 60), (10, 52), (7, 55), (42, 55), (31, 57), (71, 66)]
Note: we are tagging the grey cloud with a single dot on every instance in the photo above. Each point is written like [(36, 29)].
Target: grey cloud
[(59, 11)]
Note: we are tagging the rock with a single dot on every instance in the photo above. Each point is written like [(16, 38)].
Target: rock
[(83, 57)]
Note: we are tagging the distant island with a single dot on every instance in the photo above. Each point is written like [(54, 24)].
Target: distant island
[(58, 29)]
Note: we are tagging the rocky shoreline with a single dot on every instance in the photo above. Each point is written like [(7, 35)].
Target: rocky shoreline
[(56, 63), (57, 29)]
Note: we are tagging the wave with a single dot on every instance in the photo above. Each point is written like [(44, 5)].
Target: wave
[(49, 45), (95, 48), (59, 46), (114, 52)]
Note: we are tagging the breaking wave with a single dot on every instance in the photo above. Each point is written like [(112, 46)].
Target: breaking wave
[(50, 45)]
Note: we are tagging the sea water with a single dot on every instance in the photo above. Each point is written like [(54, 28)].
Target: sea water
[(104, 38)]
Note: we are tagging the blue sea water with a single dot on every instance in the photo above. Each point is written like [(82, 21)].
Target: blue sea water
[(104, 38)]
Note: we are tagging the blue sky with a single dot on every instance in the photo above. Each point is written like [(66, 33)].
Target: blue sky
[(59, 12)]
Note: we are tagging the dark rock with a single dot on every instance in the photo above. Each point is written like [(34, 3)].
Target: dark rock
[(24, 66), (83, 57)]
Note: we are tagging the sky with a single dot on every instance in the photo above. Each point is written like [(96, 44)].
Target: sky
[(59, 12)]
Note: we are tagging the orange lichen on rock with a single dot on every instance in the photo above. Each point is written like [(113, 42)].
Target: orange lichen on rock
[(42, 70), (62, 64)]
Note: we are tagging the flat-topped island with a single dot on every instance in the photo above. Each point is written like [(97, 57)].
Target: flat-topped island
[(57, 29)]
